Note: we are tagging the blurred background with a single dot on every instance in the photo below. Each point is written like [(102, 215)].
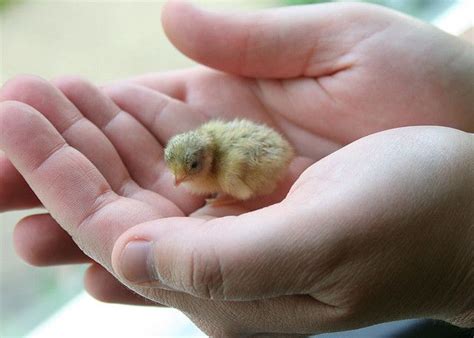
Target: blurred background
[(103, 41)]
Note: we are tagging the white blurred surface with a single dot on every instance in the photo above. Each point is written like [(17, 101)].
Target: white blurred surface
[(457, 19), (83, 316)]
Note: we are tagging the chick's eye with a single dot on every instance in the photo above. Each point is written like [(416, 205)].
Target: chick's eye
[(194, 165)]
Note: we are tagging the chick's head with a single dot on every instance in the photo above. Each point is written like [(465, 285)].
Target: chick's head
[(188, 156)]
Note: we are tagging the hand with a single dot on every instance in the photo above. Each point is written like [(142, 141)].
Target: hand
[(204, 84), (380, 230), (325, 74)]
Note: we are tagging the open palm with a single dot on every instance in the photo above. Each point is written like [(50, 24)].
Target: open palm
[(316, 74)]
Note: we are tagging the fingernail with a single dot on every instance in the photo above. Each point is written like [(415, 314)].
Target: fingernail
[(137, 262)]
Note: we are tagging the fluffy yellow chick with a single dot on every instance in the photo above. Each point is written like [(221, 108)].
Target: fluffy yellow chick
[(239, 158)]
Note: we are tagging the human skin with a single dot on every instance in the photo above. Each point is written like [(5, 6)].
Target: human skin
[(379, 230)]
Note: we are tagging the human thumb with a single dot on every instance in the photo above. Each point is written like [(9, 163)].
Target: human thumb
[(272, 43), (264, 253)]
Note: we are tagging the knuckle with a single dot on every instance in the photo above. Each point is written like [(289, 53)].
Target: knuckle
[(349, 314), (203, 277), (117, 90), (72, 84)]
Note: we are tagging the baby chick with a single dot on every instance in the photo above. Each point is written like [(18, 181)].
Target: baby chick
[(239, 158)]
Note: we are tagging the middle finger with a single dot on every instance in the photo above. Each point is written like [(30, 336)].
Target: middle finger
[(141, 152)]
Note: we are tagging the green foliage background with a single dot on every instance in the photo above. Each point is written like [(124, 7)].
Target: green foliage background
[(423, 9), (3, 3)]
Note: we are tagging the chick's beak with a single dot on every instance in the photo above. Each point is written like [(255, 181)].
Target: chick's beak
[(179, 179)]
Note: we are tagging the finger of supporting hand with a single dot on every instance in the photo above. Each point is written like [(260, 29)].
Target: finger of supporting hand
[(124, 132), (171, 83), (138, 149), (66, 182), (163, 117), (79, 132), (103, 286), (40, 241), (14, 191)]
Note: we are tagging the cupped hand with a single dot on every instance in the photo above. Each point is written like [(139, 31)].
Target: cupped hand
[(111, 177), (377, 231), (325, 75)]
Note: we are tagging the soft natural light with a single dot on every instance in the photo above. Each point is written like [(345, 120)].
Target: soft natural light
[(457, 19), (83, 316)]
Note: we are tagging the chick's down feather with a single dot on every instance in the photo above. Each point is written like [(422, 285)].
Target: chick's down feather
[(239, 158)]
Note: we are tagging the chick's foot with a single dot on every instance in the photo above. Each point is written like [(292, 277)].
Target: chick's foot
[(221, 200)]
